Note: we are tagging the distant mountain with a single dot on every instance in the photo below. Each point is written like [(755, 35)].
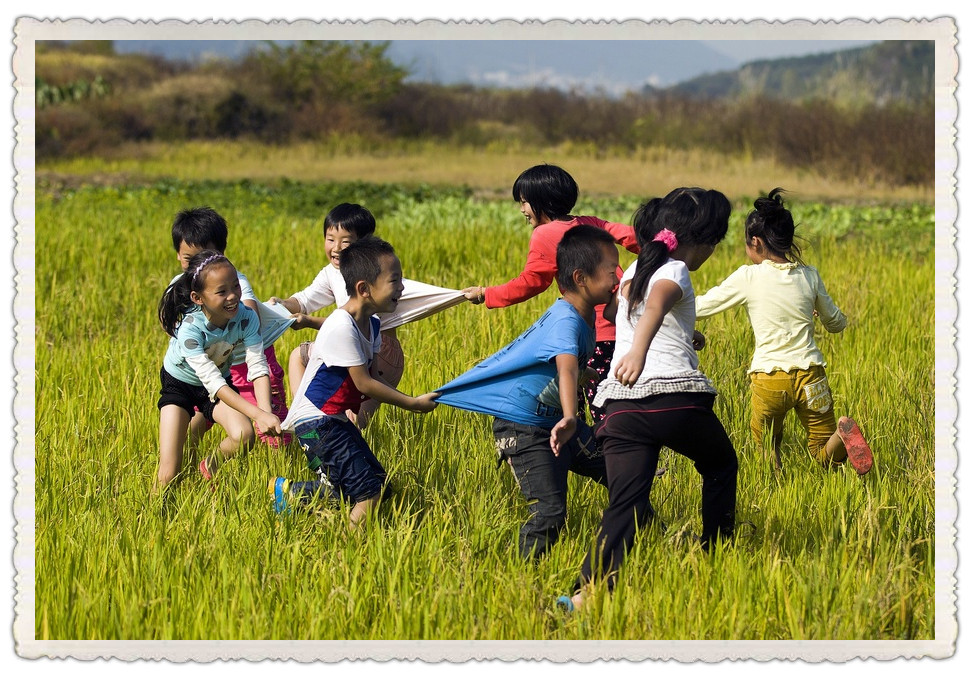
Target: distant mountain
[(900, 70), (611, 66)]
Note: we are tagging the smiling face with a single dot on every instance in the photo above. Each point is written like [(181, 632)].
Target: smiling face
[(532, 218), (603, 281), (335, 240), (388, 286), (219, 297)]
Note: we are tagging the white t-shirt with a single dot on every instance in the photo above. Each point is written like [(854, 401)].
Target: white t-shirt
[(671, 365), (419, 300), (327, 388)]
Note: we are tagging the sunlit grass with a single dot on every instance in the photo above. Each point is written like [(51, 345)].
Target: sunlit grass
[(819, 555)]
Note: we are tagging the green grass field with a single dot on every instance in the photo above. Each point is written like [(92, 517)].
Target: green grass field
[(819, 555)]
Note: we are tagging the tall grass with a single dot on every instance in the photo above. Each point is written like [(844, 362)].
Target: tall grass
[(819, 555)]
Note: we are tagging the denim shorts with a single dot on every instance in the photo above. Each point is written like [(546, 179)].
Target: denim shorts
[(335, 447)]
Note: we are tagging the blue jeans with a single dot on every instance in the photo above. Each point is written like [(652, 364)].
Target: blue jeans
[(336, 449), (543, 477)]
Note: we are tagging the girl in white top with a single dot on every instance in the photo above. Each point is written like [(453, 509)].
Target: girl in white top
[(654, 394), (783, 296)]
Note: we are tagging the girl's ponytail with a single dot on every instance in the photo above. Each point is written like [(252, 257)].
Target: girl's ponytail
[(773, 223), (686, 216), (175, 303)]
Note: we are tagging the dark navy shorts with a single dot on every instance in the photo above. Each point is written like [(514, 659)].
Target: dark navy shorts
[(337, 449), (187, 396)]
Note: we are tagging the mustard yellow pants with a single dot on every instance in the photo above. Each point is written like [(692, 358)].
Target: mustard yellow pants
[(773, 394)]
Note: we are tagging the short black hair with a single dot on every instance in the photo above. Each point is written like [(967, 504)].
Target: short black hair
[(354, 218), (362, 261), (199, 226), (549, 189), (579, 250)]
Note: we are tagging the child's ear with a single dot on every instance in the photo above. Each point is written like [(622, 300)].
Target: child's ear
[(195, 298), (362, 288), (579, 277)]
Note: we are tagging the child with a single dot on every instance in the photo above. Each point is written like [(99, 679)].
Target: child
[(194, 230), (655, 395), (547, 194), (339, 376), (201, 312), (783, 296), (344, 225), (531, 388)]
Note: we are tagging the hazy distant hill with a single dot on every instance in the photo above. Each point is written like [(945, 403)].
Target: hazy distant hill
[(893, 70)]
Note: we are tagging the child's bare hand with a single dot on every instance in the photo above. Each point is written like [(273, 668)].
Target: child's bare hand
[(562, 432), (699, 340), (301, 321), (629, 369), (475, 295), (268, 423), (425, 403)]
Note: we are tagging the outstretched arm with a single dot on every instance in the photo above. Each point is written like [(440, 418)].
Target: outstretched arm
[(379, 390)]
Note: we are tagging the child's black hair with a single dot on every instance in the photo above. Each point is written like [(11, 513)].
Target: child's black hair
[(199, 226), (176, 302), (579, 250), (549, 189), (774, 224), (362, 261), (694, 215), (354, 218)]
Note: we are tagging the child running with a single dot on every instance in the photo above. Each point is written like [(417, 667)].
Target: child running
[(203, 315), (547, 194), (345, 224), (783, 296), (340, 374), (530, 387), (655, 394), (194, 230)]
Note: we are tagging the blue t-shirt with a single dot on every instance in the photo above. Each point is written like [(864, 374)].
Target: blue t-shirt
[(519, 383)]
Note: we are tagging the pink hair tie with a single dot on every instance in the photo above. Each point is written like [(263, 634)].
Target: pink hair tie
[(668, 238)]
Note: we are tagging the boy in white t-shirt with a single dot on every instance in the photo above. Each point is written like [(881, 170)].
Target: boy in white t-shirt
[(344, 225), (340, 375)]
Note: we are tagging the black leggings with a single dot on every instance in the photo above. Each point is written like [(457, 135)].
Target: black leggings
[(631, 436)]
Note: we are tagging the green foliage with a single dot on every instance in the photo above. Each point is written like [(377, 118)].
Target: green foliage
[(47, 94), (819, 555), (323, 90)]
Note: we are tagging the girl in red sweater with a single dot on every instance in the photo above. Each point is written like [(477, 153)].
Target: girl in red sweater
[(547, 194)]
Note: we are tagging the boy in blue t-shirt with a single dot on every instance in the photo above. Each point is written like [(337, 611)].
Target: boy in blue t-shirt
[(530, 387)]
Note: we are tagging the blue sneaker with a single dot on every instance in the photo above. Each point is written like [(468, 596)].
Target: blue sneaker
[(279, 488), (565, 603)]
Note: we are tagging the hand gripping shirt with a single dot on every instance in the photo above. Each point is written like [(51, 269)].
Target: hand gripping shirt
[(520, 382), (419, 300), (201, 353)]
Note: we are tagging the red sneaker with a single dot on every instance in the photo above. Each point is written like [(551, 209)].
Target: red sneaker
[(204, 470), (859, 454)]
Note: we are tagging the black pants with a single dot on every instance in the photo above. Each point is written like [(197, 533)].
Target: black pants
[(543, 476), (631, 436)]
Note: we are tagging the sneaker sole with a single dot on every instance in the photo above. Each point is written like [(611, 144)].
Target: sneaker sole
[(859, 454), (277, 491)]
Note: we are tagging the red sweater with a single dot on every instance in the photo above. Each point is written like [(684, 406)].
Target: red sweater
[(541, 266)]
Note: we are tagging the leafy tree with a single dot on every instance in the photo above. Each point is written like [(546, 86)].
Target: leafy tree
[(354, 74)]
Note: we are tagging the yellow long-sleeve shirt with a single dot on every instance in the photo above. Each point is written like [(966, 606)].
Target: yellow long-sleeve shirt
[(781, 299)]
